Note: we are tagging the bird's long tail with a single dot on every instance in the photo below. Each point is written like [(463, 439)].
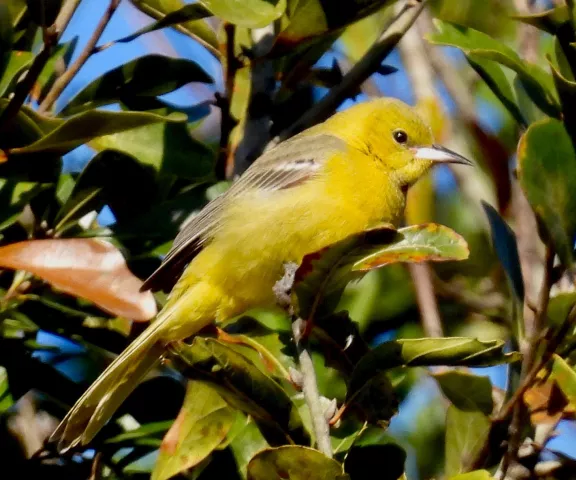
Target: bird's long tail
[(95, 407)]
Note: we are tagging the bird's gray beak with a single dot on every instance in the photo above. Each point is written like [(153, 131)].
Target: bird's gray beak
[(440, 154)]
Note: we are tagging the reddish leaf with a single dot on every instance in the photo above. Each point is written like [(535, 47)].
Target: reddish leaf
[(84, 267)]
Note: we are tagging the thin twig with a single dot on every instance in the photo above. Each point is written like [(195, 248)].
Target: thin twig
[(365, 67), (320, 424), (426, 298), (61, 83)]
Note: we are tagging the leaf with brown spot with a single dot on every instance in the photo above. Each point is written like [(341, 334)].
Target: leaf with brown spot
[(91, 269), (201, 425)]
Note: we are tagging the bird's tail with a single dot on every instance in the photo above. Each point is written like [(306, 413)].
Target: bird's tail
[(95, 407)]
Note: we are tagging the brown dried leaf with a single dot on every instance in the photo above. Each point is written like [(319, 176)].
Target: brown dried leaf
[(546, 403), (88, 268)]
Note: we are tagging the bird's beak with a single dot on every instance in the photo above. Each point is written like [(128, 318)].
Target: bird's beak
[(439, 154)]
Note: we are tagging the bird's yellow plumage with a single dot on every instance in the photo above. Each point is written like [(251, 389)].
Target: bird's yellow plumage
[(335, 179)]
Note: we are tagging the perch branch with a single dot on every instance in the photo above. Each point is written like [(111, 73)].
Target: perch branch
[(365, 67), (61, 83)]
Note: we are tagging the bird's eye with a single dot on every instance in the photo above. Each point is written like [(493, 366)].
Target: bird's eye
[(400, 136)]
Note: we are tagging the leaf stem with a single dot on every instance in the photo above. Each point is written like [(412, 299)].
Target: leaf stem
[(320, 424), (62, 82), (365, 67)]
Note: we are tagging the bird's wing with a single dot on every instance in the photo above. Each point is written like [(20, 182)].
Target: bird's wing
[(284, 166)]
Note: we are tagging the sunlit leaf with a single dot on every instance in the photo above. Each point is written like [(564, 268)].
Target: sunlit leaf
[(466, 432), (248, 13), (245, 445), (466, 391), (547, 174), (452, 351), (475, 475), (545, 402), (537, 82), (242, 385), (6, 400), (559, 307), (549, 21), (17, 62), (504, 242), (197, 29), (146, 76), (203, 422), (86, 126), (86, 268), (293, 463), (565, 376)]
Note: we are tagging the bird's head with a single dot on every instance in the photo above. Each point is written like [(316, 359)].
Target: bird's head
[(394, 134)]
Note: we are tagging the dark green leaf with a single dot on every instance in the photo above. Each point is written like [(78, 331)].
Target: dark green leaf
[(376, 402), (248, 13), (549, 21), (453, 351), (537, 82), (201, 425), (466, 391), (197, 29), (466, 433), (13, 197), (87, 126), (188, 13), (16, 63), (242, 385), (6, 36), (145, 431), (504, 241), (96, 187), (168, 147), (547, 174), (387, 460), (293, 463), (44, 12), (147, 76)]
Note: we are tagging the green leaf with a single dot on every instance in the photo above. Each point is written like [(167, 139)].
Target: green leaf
[(168, 147), (466, 391), (44, 12), (567, 91), (96, 187), (451, 351), (245, 445), (6, 37), (475, 475), (565, 377), (188, 13), (293, 463), (324, 273), (87, 126), (6, 400), (537, 82), (466, 433), (492, 73), (549, 21), (146, 76), (418, 243), (248, 13), (547, 174), (504, 242), (198, 29), (13, 197), (202, 424), (388, 460), (15, 64), (242, 385), (144, 432), (57, 62), (559, 307), (375, 402)]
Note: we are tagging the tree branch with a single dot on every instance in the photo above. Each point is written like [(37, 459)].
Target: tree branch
[(369, 63), (61, 83), (51, 36)]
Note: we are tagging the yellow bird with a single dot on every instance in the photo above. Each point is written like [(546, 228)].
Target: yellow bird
[(330, 181)]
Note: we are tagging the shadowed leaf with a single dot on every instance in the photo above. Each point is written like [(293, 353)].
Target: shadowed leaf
[(146, 76), (547, 174), (86, 268), (13, 197), (504, 241), (16, 63), (44, 12), (545, 402), (242, 385), (84, 127), (201, 425), (466, 391), (6, 400), (388, 460), (466, 433), (293, 463)]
